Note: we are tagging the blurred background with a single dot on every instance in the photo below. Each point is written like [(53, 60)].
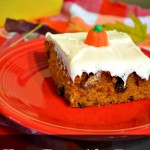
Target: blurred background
[(142, 3), (27, 9)]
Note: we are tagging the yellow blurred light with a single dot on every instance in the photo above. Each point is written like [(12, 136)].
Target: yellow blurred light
[(28, 9)]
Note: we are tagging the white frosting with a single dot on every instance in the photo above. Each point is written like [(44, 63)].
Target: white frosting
[(121, 57)]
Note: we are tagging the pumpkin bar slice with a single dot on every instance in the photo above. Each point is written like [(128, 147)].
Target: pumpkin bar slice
[(103, 69)]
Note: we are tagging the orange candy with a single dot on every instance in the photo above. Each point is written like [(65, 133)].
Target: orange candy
[(97, 37)]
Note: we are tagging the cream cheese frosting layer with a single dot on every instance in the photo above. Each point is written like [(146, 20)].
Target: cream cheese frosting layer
[(121, 57)]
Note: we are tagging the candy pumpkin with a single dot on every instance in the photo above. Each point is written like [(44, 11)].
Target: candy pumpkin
[(97, 37)]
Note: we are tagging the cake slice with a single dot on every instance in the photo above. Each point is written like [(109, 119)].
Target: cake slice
[(86, 75)]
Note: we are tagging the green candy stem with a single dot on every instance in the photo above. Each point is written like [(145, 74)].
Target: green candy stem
[(98, 28)]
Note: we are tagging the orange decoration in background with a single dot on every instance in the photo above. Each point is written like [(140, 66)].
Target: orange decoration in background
[(97, 37)]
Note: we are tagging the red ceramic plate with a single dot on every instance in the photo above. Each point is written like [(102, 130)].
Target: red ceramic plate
[(28, 96)]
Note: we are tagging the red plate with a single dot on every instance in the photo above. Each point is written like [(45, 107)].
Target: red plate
[(28, 96)]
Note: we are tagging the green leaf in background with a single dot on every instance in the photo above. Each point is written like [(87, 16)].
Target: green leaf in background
[(137, 32)]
